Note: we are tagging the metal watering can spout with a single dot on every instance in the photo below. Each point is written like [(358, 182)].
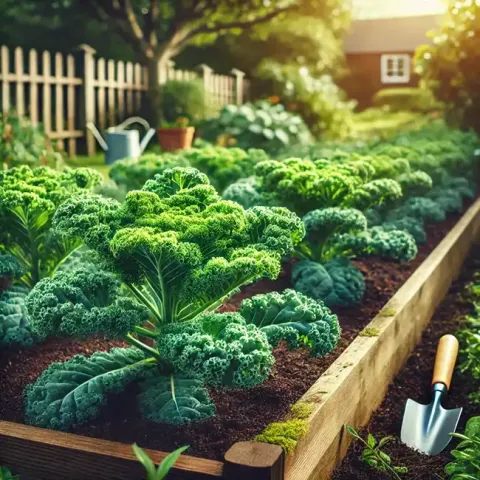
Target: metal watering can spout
[(148, 136), (97, 135)]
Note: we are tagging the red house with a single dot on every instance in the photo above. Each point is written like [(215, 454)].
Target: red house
[(382, 41)]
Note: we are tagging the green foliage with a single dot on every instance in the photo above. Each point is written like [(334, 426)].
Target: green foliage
[(24, 144), (260, 125), (286, 434), (325, 227), (245, 192), (369, 332), (218, 348), (412, 99), (304, 185), (175, 400), (319, 101), (421, 208), (82, 302), (466, 465), (450, 66), (10, 268), (294, 318), (72, 392), (29, 199), (132, 174), (179, 247), (14, 319), (395, 244), (336, 283), (408, 224), (224, 166), (154, 473), (302, 410), (374, 456), (185, 99), (6, 474)]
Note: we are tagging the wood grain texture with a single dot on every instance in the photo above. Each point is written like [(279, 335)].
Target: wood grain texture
[(445, 360), (356, 383), (255, 461), (39, 454)]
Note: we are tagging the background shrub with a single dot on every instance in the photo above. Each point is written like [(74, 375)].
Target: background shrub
[(186, 99), (411, 99)]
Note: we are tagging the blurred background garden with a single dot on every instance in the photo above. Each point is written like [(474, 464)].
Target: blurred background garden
[(275, 75)]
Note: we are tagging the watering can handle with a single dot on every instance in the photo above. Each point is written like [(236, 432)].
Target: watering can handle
[(445, 359), (148, 136), (97, 135), (131, 120)]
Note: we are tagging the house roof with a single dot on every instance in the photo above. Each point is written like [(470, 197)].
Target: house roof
[(399, 35), (374, 9)]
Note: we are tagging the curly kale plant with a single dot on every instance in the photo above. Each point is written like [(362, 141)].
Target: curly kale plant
[(303, 185), (14, 318), (336, 282), (336, 234), (294, 318), (131, 174), (180, 250), (29, 199)]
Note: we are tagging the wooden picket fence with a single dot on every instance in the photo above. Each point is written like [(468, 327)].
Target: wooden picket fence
[(46, 88)]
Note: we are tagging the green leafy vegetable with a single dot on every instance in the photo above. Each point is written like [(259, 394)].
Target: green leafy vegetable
[(14, 319), (154, 473), (72, 392), (294, 318), (175, 400)]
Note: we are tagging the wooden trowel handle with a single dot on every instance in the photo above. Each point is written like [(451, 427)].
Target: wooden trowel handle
[(447, 352)]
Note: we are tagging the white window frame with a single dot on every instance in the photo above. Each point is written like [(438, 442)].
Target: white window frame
[(395, 59)]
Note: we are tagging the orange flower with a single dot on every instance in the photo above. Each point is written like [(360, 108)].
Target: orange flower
[(274, 99)]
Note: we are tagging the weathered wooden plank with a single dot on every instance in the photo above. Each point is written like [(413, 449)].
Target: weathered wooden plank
[(356, 383), (101, 109), (59, 113), (47, 92), (36, 453), (5, 73), (20, 87)]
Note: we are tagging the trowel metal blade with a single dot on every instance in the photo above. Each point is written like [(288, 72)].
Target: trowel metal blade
[(427, 428)]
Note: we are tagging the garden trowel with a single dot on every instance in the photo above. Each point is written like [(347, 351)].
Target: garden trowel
[(427, 428)]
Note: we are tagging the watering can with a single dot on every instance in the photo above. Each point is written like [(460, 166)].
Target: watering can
[(120, 143)]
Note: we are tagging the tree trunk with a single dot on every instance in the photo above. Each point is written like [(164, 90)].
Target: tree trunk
[(154, 96)]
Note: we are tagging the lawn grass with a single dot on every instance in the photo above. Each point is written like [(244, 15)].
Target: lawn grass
[(97, 162)]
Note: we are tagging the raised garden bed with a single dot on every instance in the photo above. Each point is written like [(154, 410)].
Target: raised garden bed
[(348, 392)]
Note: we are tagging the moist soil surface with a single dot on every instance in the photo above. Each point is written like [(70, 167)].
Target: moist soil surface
[(413, 382), (240, 414)]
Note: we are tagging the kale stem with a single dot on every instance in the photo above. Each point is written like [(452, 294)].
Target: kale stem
[(142, 346), (143, 299), (145, 332)]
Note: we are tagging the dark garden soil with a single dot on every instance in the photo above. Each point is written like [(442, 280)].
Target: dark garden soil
[(240, 414), (413, 381)]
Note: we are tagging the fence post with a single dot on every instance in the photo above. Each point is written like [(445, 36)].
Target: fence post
[(239, 76), (206, 73), (89, 93)]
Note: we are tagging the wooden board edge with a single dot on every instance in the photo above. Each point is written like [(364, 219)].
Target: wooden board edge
[(344, 383), (25, 449)]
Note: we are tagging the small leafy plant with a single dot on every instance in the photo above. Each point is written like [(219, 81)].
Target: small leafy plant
[(373, 455), (466, 465), (6, 474), (154, 472)]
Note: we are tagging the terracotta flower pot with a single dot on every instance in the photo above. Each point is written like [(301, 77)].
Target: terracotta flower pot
[(171, 139)]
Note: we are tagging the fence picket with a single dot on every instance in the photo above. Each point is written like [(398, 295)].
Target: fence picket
[(129, 88), (5, 71), (33, 72), (138, 87), (102, 114), (20, 86), (59, 118), (121, 91), (110, 90), (71, 109), (47, 93)]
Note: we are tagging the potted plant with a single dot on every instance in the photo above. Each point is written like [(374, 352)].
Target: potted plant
[(176, 136)]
